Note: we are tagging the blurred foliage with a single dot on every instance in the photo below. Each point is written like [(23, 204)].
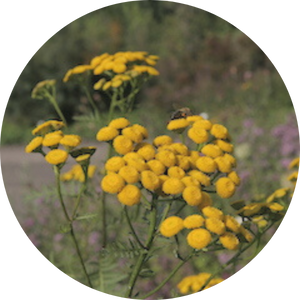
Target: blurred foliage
[(206, 63)]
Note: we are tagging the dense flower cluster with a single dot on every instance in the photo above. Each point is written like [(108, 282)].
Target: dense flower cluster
[(166, 167), (195, 283), (210, 226), (49, 137), (76, 173), (117, 69)]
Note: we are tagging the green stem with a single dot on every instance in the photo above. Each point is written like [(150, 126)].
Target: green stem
[(179, 265), (79, 198), (112, 107), (137, 268), (70, 221), (103, 218), (90, 99), (53, 101), (132, 229)]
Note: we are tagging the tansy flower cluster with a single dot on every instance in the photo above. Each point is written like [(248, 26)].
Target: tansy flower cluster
[(211, 226), (195, 283), (165, 167), (117, 69), (42, 88), (294, 165), (56, 146), (76, 173)]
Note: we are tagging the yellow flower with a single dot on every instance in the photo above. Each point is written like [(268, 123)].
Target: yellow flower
[(106, 134), (178, 124), (192, 195), (194, 118), (213, 212), (232, 224), (219, 131), (130, 195), (147, 151), (47, 126), (150, 180), (251, 209), (56, 157), (34, 145), (122, 144), (171, 226), (229, 241), (199, 238), (162, 140), (119, 68), (215, 225), (193, 157), (225, 146), (138, 163), (201, 177), (70, 140), (98, 59), (168, 158), (277, 194), (133, 134), (131, 155), (225, 187), (176, 172), (275, 206), (234, 177), (198, 135), (119, 123), (203, 124), (76, 70), (193, 221), (99, 84), (247, 234), (223, 164), (129, 174), (143, 130), (190, 181), (173, 186), (106, 85), (114, 163), (180, 148), (112, 183), (206, 164), (83, 159), (260, 221), (212, 150), (293, 176), (38, 91), (116, 83), (152, 71), (230, 158), (156, 166), (183, 162), (91, 171), (294, 163)]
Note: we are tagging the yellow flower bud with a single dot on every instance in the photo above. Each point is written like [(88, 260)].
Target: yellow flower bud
[(199, 238), (130, 195), (112, 183), (225, 187), (171, 226)]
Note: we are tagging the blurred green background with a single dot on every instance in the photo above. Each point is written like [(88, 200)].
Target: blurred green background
[(205, 64)]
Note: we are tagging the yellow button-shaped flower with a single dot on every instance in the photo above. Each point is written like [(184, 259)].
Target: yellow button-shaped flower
[(225, 187), (70, 140), (225, 146), (53, 138), (199, 238), (56, 157), (212, 150), (219, 131), (215, 225), (229, 241), (147, 151), (107, 134), (122, 144), (171, 226), (198, 135), (234, 177), (201, 177), (129, 174), (193, 221), (223, 164), (206, 164), (176, 172), (119, 123), (162, 140), (178, 124), (167, 157), (192, 195), (34, 144), (114, 164), (206, 201), (189, 180), (232, 224), (156, 166), (112, 183), (130, 195), (173, 186), (213, 212), (204, 124), (150, 180)]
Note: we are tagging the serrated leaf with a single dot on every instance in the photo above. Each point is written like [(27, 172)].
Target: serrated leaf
[(86, 217), (65, 228)]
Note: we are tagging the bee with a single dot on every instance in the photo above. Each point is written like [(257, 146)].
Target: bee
[(181, 113)]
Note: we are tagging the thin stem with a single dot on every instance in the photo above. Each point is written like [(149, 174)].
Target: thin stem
[(179, 265), (53, 101), (78, 200), (142, 256), (112, 107), (70, 221), (132, 229), (90, 99), (103, 218)]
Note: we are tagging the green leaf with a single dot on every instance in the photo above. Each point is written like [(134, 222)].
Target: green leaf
[(86, 217), (146, 273), (65, 228)]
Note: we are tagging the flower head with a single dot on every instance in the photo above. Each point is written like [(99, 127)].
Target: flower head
[(173, 186), (122, 144), (129, 174), (106, 134), (171, 226), (193, 221), (56, 157), (112, 183), (34, 145), (199, 238), (70, 141), (119, 123), (225, 187), (130, 195), (192, 195), (229, 241)]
